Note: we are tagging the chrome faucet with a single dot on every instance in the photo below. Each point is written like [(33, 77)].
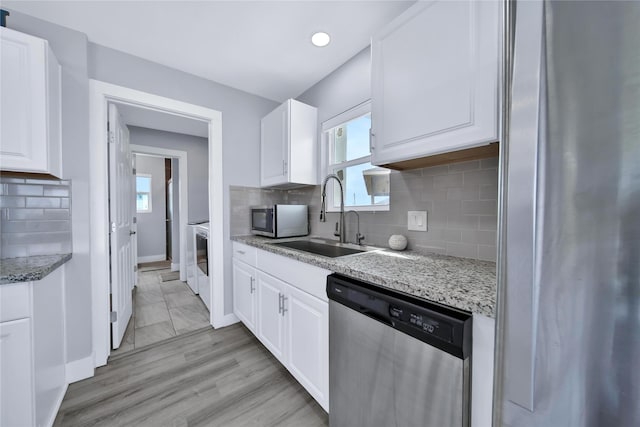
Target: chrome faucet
[(323, 210), (359, 237)]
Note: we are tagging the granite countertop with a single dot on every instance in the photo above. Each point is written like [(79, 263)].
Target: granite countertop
[(461, 283), (29, 269)]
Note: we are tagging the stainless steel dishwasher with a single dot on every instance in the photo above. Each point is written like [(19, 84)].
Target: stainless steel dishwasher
[(395, 360)]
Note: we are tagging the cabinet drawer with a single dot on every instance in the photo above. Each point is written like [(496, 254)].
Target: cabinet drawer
[(244, 253), (14, 301)]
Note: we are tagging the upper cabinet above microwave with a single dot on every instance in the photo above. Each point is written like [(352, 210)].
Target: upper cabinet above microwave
[(30, 126), (435, 84), (288, 146)]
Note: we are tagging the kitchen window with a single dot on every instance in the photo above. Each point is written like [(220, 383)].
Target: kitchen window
[(347, 154), (143, 193)]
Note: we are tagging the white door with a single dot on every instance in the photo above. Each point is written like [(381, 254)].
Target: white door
[(244, 290), (271, 293), (274, 129), (134, 225), (307, 319), (121, 220)]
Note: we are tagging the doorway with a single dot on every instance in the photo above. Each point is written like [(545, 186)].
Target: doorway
[(101, 95)]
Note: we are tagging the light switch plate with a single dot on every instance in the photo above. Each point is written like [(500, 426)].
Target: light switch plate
[(417, 221)]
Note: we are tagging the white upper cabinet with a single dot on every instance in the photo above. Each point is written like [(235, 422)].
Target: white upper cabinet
[(288, 146), (30, 126), (435, 76)]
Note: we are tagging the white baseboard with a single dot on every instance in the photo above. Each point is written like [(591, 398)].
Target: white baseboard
[(175, 267), (79, 369), (56, 406), (151, 258), (226, 320)]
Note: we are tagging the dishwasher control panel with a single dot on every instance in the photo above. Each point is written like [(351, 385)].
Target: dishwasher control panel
[(424, 323)]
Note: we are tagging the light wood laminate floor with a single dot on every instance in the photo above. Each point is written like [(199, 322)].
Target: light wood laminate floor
[(208, 377), (161, 310)]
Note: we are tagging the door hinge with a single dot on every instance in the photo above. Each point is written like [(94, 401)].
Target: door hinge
[(134, 171), (372, 146), (135, 268), (111, 137), (113, 316), (113, 227), (135, 220)]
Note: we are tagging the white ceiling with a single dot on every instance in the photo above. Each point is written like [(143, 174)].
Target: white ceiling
[(159, 120), (261, 47)]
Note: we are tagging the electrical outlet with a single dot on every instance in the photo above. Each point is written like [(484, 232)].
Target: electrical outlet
[(417, 221)]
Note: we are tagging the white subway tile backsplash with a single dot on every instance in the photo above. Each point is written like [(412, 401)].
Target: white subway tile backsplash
[(11, 202), (25, 190), (485, 176), (479, 207), (35, 218), (460, 198), (447, 181), (43, 202)]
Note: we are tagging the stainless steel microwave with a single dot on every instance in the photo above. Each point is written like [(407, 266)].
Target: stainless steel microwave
[(280, 220)]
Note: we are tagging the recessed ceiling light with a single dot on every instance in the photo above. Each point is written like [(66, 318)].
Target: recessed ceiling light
[(320, 39)]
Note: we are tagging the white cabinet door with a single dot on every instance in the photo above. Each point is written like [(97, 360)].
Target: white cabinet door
[(30, 139), (271, 325), (288, 145), (244, 294), (307, 320), (274, 146), (435, 80), (16, 369)]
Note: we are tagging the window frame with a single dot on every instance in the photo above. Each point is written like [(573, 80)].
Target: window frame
[(326, 154), (145, 175)]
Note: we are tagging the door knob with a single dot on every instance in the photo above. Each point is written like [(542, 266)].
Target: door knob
[(131, 233)]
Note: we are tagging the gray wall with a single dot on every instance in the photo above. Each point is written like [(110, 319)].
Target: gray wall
[(197, 161), (241, 114), (151, 226), (70, 48)]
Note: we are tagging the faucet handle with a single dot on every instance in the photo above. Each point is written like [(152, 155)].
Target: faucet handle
[(337, 231), (359, 238)]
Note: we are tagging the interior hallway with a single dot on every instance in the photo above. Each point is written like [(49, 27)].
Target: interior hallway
[(161, 309)]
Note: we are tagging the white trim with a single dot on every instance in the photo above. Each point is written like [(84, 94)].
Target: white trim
[(101, 94), (80, 369), (359, 110), (151, 258), (56, 406), (183, 194), (176, 267), (227, 320)]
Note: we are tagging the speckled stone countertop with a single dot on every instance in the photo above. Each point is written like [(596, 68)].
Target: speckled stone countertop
[(29, 269), (462, 283)]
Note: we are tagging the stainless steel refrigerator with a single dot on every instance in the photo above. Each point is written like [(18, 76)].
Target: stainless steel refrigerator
[(568, 325)]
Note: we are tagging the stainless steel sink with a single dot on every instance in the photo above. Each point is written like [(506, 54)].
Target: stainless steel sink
[(328, 248)]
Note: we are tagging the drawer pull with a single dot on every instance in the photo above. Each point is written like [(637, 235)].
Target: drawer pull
[(241, 252)]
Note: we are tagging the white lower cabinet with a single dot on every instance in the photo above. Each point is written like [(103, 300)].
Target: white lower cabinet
[(271, 322), (244, 294), (16, 380), (287, 299), (32, 351), (307, 350)]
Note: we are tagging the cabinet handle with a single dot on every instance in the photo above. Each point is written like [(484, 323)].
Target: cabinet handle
[(241, 252), (279, 303), (253, 288), (284, 167), (371, 136), (284, 310)]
